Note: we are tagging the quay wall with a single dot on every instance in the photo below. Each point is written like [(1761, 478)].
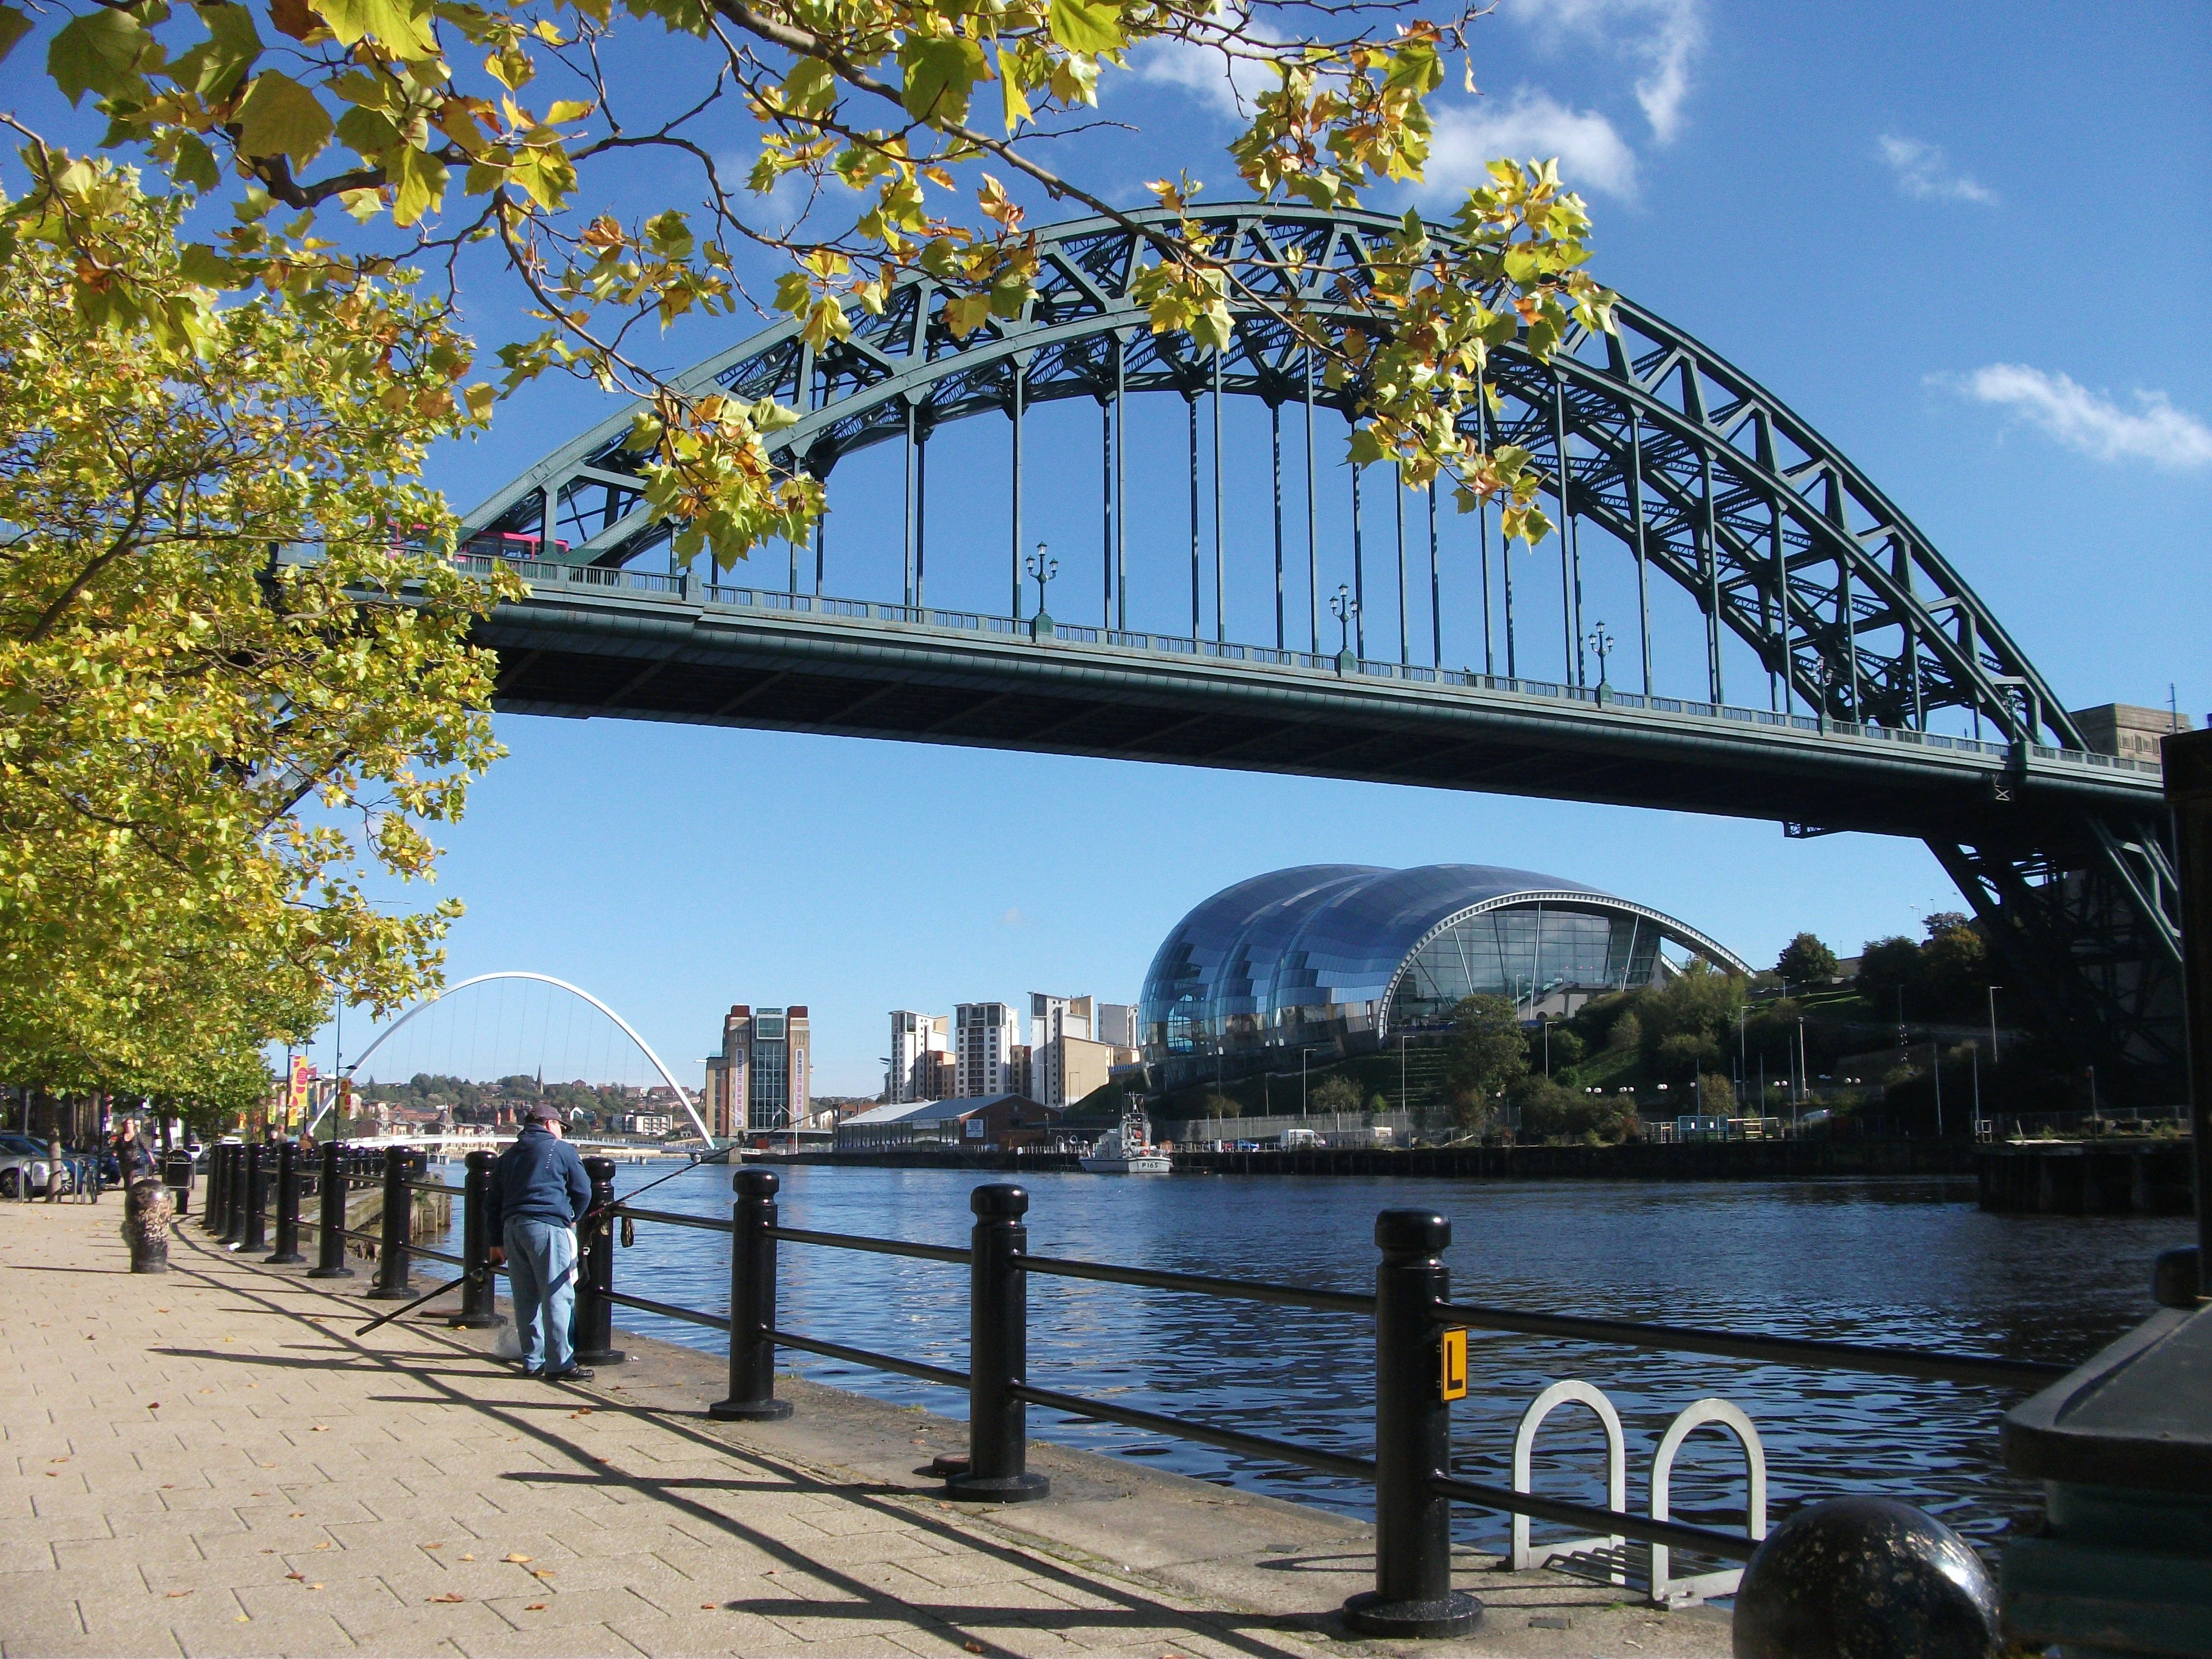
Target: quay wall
[(1728, 1160), (2074, 1177)]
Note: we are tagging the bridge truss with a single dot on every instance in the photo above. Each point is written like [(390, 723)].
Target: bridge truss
[(1702, 478)]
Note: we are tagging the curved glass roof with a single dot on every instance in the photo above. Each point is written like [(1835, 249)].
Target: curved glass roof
[(1318, 949)]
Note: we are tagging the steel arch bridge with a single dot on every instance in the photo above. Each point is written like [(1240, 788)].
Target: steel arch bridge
[(1870, 642)]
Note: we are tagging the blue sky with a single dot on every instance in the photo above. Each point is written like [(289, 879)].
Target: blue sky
[(1968, 243)]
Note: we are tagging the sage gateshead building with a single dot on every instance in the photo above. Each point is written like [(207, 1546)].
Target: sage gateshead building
[(1341, 957)]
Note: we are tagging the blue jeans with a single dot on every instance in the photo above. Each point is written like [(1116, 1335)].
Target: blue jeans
[(541, 1273)]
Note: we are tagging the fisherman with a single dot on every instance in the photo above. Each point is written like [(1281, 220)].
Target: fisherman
[(538, 1192)]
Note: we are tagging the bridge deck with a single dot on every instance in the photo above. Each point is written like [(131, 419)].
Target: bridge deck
[(591, 643)]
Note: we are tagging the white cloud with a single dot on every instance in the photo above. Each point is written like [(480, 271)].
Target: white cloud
[(1226, 86), (1663, 36), (1922, 171), (2153, 430), (1533, 126)]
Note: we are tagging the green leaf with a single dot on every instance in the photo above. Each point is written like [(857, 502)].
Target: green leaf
[(1016, 102), (280, 117), (545, 173), (419, 183), (97, 53), (14, 26), (398, 24), (940, 73), (201, 263), (811, 88), (219, 63), (1092, 25)]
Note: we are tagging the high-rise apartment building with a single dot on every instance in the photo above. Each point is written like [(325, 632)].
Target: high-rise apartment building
[(983, 1039), (914, 1037), (1054, 1022), (937, 1076), (758, 1085), (1114, 1023)]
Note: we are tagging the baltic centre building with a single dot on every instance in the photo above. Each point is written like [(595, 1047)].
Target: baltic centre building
[(1342, 957)]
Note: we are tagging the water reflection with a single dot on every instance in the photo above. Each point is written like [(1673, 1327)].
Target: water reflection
[(1906, 1263)]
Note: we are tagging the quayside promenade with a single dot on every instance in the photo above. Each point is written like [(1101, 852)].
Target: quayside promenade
[(210, 1462)]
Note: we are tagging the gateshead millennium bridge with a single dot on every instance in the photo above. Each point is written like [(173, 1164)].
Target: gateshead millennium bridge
[(1894, 702)]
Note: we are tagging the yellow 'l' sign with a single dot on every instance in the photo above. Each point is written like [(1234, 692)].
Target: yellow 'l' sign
[(1454, 1372)]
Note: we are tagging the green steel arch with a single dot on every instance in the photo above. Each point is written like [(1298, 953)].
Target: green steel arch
[(1705, 476)]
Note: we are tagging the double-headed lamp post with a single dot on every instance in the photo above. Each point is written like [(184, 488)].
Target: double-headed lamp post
[(1346, 609), (1601, 642), (1041, 570)]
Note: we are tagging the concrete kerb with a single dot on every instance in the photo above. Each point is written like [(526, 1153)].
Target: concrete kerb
[(839, 1498)]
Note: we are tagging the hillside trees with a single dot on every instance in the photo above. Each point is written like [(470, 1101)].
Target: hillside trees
[(1806, 961), (214, 762), (846, 146), (1489, 1052)]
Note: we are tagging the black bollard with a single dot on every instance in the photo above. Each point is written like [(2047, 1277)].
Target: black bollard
[(479, 1292), (1412, 1594), (287, 1253), (255, 1234), (595, 1315), (391, 1265), (998, 1354), (338, 1161), (752, 1301), (1859, 1576), (233, 1209), (211, 1210)]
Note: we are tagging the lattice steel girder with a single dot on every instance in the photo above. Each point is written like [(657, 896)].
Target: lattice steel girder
[(1778, 538), (1696, 410)]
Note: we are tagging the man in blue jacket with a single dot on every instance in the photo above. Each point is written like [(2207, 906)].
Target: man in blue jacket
[(539, 1192)]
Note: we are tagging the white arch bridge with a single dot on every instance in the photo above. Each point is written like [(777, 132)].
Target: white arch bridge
[(467, 1142)]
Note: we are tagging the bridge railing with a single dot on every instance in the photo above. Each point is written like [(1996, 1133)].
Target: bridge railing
[(479, 557)]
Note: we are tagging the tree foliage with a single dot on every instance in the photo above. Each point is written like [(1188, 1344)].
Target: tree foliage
[(1489, 1052), (1805, 960), (210, 752), (422, 128)]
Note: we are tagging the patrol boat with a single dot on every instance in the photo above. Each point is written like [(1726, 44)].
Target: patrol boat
[(1128, 1150)]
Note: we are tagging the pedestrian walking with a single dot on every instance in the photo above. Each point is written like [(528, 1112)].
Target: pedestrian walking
[(134, 1159), (537, 1194)]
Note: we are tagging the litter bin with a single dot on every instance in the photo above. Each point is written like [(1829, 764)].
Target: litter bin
[(177, 1177)]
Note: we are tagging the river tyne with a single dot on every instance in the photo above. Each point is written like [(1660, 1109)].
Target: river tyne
[(1909, 1263)]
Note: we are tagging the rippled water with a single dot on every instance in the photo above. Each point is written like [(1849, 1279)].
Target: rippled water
[(1908, 1262)]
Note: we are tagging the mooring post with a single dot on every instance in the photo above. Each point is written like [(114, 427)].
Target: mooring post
[(752, 1301), (595, 1315), (338, 1160), (998, 1353), (479, 1295), (287, 1253), (1412, 1594), (391, 1264)]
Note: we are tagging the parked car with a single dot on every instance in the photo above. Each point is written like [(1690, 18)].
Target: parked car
[(23, 1160)]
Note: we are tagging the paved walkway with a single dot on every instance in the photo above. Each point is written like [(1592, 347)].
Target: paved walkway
[(211, 1462)]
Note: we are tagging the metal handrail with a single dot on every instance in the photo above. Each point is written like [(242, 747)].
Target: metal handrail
[(874, 1246), (1769, 1349), (667, 1310), (887, 1362), (705, 1223), (1676, 1535), (1245, 1290), (1359, 1468)]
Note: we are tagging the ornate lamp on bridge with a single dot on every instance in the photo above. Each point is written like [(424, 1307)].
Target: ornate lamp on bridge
[(1601, 642), (1041, 570), (1346, 609)]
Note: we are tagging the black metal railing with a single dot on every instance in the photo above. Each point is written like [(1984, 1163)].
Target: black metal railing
[(1411, 1307)]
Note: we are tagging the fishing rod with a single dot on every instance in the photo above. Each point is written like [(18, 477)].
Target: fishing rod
[(721, 1155), (410, 1307)]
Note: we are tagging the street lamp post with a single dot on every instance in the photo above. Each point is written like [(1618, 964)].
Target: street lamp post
[(1994, 1057), (1302, 1052), (1601, 642), (1801, 1069), (1346, 609), (1041, 570)]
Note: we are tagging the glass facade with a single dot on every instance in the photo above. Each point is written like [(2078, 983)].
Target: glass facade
[(1326, 954)]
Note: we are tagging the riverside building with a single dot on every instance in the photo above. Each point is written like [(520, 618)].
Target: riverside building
[(984, 1038), (758, 1085), (1341, 957)]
